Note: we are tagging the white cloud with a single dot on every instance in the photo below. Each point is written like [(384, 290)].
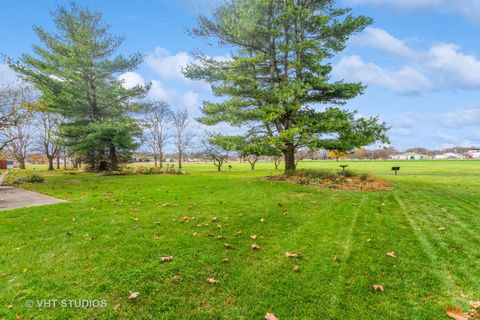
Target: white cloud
[(406, 80), (443, 66), (159, 92), (7, 75), (449, 140), (131, 79), (453, 68), (461, 118), (382, 40), (190, 100), (467, 8), (168, 65)]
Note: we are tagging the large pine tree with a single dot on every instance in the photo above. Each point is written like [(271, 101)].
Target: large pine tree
[(76, 71), (279, 74)]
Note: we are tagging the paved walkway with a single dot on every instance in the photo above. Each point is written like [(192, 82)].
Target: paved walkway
[(13, 198)]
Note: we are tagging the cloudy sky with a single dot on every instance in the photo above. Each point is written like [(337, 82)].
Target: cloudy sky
[(420, 59)]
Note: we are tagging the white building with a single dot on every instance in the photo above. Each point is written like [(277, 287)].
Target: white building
[(473, 154), (409, 156), (449, 156)]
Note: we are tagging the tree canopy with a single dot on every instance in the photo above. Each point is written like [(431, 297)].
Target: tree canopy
[(278, 79), (76, 71)]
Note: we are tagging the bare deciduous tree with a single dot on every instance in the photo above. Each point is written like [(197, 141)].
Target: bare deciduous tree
[(20, 136), (11, 99), (157, 118), (48, 140), (183, 134)]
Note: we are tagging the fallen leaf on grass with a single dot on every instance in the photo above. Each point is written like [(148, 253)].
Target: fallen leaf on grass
[(238, 233), (270, 316), (391, 254), (293, 254), (228, 245), (378, 287), (19, 316), (212, 280), (166, 259), (456, 313), (209, 234), (214, 219), (253, 237), (117, 307), (220, 237), (285, 212), (255, 246), (262, 220), (296, 268), (442, 229), (280, 204), (474, 304), (167, 204), (195, 234), (133, 295), (225, 260)]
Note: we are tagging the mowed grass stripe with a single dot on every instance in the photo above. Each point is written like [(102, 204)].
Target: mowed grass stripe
[(449, 288)]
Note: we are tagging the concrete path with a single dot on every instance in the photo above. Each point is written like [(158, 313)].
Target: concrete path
[(13, 198)]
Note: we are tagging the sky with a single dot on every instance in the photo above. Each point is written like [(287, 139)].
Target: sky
[(420, 59)]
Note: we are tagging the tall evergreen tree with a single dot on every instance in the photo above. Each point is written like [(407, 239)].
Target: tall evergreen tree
[(280, 71), (76, 71)]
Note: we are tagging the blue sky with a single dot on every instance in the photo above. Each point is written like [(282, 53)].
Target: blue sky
[(420, 59)]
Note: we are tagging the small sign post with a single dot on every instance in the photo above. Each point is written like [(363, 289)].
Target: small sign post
[(343, 166), (396, 170)]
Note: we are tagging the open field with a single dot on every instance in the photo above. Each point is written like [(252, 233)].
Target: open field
[(109, 237)]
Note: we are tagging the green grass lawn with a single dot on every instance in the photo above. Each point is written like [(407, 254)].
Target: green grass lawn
[(109, 238)]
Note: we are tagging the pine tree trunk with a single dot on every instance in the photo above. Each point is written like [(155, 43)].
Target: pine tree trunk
[(289, 154), (113, 158)]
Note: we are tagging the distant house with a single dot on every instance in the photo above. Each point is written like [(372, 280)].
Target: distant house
[(473, 154), (6, 164), (449, 156), (409, 156)]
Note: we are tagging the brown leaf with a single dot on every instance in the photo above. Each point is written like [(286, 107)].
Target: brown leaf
[(117, 307), (212, 280), (238, 233), (253, 237), (280, 204), (255, 246), (391, 254), (285, 212), (474, 304), (214, 219), (167, 204), (225, 260), (166, 259), (293, 254), (270, 316), (209, 234), (442, 229), (296, 268), (378, 287), (228, 245), (456, 313), (19, 316), (133, 295)]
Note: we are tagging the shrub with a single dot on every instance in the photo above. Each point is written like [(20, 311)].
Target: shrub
[(315, 174), (34, 178)]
